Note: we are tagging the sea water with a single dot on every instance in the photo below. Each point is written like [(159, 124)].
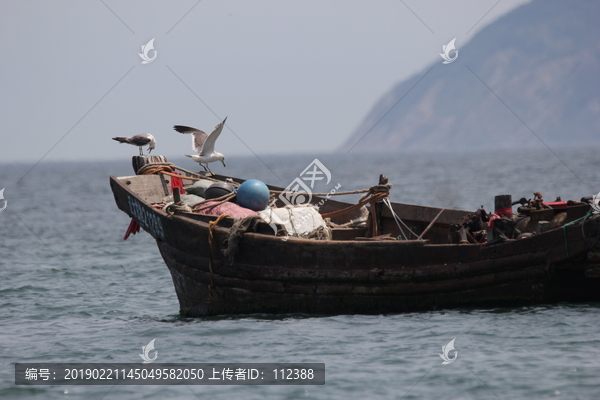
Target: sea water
[(71, 290)]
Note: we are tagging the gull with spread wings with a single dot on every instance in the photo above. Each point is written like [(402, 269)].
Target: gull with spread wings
[(204, 144)]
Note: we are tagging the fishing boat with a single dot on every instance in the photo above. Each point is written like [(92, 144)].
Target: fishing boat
[(373, 269)]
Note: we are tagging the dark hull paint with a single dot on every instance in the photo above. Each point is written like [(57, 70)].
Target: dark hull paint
[(269, 275)]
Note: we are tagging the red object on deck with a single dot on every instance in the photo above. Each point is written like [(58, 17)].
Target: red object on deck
[(504, 211), (497, 214), (177, 183), (493, 218), (228, 207), (133, 228), (557, 204)]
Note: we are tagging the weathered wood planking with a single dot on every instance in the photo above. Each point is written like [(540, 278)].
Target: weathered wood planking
[(268, 274), (150, 188)]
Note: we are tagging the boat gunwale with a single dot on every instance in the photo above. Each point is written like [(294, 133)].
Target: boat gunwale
[(190, 217), (498, 248)]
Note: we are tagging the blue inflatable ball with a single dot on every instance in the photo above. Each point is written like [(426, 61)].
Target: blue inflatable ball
[(253, 194)]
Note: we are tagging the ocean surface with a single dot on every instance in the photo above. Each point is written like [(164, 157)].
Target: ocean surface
[(71, 290)]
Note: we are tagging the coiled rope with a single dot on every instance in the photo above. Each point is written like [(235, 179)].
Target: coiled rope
[(177, 207)]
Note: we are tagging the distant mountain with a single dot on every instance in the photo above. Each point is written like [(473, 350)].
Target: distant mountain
[(542, 60)]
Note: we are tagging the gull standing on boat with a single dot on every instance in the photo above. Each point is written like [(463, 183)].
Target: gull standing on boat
[(204, 144), (140, 140)]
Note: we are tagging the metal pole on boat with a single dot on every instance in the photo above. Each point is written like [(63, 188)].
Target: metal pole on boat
[(374, 221), (176, 195), (503, 204), (383, 180)]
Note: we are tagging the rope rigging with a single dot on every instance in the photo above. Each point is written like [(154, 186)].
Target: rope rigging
[(375, 194)]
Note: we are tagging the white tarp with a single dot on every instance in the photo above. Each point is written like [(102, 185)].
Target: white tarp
[(298, 221)]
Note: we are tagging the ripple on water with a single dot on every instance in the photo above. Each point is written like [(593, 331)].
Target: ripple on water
[(77, 292)]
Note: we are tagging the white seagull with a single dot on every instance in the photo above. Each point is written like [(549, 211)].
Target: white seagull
[(140, 140), (204, 144)]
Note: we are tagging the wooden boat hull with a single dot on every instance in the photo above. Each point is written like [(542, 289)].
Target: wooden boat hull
[(269, 275)]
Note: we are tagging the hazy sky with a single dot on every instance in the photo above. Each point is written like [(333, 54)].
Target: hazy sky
[(292, 76)]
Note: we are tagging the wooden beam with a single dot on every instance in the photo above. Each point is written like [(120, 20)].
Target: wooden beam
[(431, 224)]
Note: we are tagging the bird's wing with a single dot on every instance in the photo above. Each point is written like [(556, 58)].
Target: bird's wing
[(209, 144), (198, 136), (139, 140)]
